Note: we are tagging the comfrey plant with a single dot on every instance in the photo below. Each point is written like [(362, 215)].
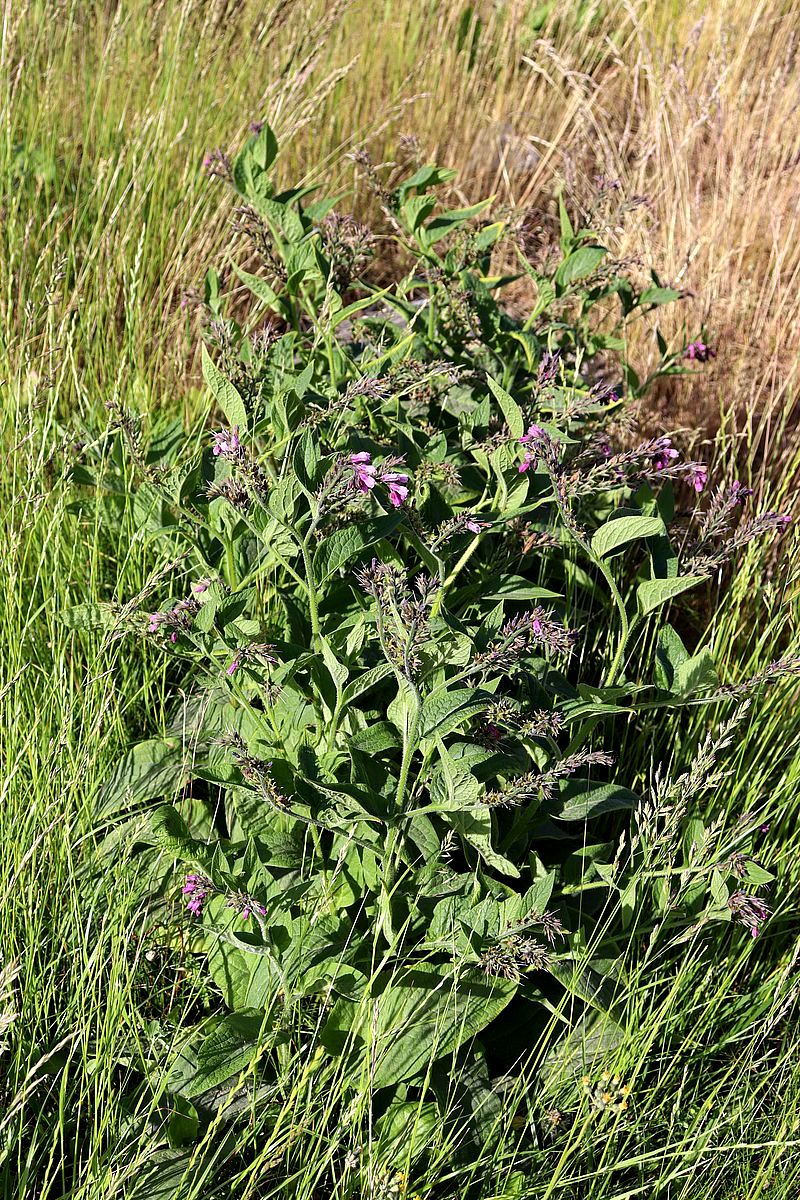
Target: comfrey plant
[(420, 571)]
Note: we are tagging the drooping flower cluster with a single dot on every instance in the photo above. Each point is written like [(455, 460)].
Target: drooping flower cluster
[(245, 905), (465, 522), (717, 540), (177, 619), (226, 444), (217, 164), (535, 442), (521, 635), (198, 888), (651, 461), (751, 911), (505, 714), (512, 957), (355, 475), (256, 771), (366, 474), (256, 652), (248, 477), (403, 612)]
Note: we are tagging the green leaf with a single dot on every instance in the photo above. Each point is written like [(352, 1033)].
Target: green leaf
[(344, 544), (654, 592), (378, 737), (227, 1052), (224, 393), (619, 532), (90, 616), (448, 222), (260, 289), (659, 295), (695, 674), (183, 1122), (670, 653), (366, 681), (567, 231), (509, 408), (514, 587), (579, 264), (152, 769), (445, 711), (169, 830), (475, 826), (580, 801), (306, 460), (264, 148), (412, 1019)]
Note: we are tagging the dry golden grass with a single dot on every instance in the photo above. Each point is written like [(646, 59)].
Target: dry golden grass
[(695, 108)]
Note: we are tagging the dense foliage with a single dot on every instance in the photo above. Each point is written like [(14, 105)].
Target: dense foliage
[(416, 587)]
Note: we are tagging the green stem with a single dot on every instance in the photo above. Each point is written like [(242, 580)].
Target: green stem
[(313, 606)]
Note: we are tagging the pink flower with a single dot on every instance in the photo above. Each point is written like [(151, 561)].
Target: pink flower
[(395, 481), (698, 351), (740, 493), (201, 586), (535, 433), (235, 663), (697, 476), (365, 473), (227, 444), (665, 455), (475, 526)]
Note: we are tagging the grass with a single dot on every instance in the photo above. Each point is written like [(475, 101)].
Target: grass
[(107, 218)]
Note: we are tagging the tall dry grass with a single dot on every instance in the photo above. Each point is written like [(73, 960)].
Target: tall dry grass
[(108, 110)]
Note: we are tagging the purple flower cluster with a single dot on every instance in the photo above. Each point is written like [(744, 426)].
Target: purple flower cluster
[(246, 906), (664, 454), (227, 444), (179, 618), (532, 440), (751, 911), (261, 651), (198, 888), (366, 474)]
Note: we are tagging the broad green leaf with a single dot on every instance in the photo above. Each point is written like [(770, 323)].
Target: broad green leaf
[(227, 1051), (224, 393), (260, 288), (366, 681), (264, 148), (654, 592), (579, 264), (670, 653), (659, 295), (344, 544), (475, 826), (448, 222), (445, 711), (509, 408), (619, 532), (413, 1018), (90, 616), (695, 674), (152, 769), (580, 800), (378, 737)]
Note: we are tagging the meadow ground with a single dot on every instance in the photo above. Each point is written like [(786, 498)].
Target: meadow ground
[(107, 219)]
